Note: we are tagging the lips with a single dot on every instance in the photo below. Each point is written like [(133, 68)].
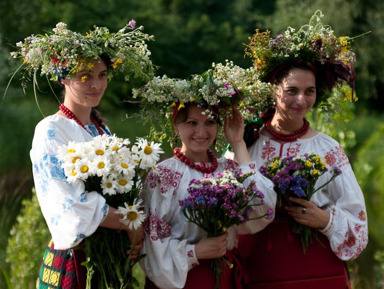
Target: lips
[(94, 94)]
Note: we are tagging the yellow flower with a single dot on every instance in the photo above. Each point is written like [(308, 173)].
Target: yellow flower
[(308, 164), (315, 172), (83, 78), (181, 105), (117, 62)]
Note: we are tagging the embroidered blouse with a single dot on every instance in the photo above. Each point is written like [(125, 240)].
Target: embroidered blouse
[(347, 229), (71, 213), (170, 239)]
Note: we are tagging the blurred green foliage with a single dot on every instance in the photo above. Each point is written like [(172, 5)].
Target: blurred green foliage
[(190, 35)]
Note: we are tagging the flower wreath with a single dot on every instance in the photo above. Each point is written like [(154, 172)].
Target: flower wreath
[(315, 44), (220, 87), (62, 53)]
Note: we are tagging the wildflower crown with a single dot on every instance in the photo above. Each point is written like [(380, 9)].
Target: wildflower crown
[(314, 44), (62, 52), (218, 88)]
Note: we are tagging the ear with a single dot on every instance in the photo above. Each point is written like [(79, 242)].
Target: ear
[(176, 128), (63, 81)]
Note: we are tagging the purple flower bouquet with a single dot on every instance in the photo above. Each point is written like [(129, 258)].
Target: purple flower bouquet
[(218, 202), (297, 177)]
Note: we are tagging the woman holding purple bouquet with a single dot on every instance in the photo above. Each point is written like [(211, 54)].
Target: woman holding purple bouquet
[(178, 252), (305, 66)]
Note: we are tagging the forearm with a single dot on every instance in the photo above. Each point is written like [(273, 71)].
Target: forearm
[(241, 153)]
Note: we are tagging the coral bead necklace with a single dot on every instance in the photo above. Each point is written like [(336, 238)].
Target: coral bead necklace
[(287, 137), (206, 170), (71, 115)]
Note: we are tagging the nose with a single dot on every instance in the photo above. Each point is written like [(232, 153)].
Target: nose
[(95, 83), (200, 130), (300, 98)]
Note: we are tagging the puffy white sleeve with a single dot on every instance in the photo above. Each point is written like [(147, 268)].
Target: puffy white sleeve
[(169, 253), (347, 229), (71, 213), (261, 186)]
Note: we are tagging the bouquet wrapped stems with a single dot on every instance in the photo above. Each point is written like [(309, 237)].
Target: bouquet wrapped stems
[(108, 263)]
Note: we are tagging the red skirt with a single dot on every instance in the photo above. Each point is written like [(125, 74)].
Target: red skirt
[(274, 259), (202, 276)]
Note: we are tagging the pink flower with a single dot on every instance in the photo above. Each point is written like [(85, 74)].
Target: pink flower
[(132, 23)]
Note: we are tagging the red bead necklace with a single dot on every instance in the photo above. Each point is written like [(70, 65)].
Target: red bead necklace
[(203, 169), (71, 115), (287, 137)]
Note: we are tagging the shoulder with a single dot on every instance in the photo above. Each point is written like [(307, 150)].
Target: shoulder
[(167, 173)]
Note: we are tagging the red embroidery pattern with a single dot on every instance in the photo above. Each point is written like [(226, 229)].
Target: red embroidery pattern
[(353, 245), (294, 151), (230, 165), (362, 216), (336, 157), (156, 228), (252, 166), (190, 254), (165, 178), (268, 152)]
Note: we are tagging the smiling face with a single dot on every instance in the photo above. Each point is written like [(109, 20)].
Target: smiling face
[(87, 88), (296, 95), (197, 133)]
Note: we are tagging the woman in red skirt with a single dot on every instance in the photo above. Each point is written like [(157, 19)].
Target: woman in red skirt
[(314, 62)]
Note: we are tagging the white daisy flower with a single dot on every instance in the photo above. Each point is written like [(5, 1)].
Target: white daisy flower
[(108, 185), (133, 217), (148, 152), (124, 183), (82, 169), (100, 166)]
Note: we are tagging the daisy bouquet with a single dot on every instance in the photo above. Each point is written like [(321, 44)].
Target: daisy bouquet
[(297, 177), (110, 166), (217, 202)]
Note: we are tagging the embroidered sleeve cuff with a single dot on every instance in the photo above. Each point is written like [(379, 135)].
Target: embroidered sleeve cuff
[(328, 228), (191, 256), (248, 167)]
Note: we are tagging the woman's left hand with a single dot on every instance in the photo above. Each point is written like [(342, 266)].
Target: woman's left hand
[(234, 132), (234, 127), (308, 213)]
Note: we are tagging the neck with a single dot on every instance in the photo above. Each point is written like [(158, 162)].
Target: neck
[(202, 157), (69, 114), (286, 127), (202, 168), (82, 113), (287, 135)]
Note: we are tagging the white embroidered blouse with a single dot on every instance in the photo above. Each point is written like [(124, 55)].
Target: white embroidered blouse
[(347, 229), (170, 239), (71, 213)]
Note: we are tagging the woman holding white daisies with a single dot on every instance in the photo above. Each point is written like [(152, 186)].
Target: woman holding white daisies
[(72, 213)]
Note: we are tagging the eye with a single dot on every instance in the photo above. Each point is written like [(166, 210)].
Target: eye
[(291, 91), (311, 91), (191, 122), (210, 122)]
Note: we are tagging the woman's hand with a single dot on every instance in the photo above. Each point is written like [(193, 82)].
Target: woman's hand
[(308, 214), (234, 127), (211, 248), (234, 133), (112, 221), (136, 237)]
